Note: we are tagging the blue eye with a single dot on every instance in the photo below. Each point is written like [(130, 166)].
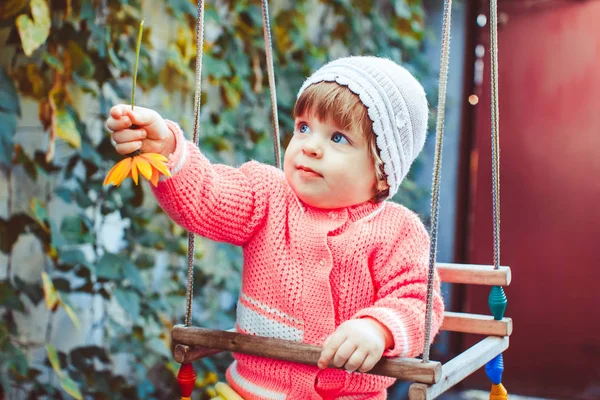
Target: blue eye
[(303, 128), (339, 138)]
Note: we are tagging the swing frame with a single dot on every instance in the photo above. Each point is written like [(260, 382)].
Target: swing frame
[(430, 378)]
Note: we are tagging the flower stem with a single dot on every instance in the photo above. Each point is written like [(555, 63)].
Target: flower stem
[(135, 67)]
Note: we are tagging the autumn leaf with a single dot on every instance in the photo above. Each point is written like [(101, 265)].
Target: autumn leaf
[(50, 293), (62, 123), (68, 384), (34, 33)]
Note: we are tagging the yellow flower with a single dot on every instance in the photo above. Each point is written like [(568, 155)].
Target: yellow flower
[(149, 165)]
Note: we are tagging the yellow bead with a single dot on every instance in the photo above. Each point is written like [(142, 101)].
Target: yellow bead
[(498, 392)]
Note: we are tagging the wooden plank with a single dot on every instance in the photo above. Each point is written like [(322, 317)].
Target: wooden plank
[(185, 354), (402, 368), (476, 323), (474, 274), (460, 367)]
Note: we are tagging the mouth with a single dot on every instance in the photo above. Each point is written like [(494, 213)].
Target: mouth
[(308, 171)]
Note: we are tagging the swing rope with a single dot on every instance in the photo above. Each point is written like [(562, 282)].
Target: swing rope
[(271, 73), (495, 129), (437, 171), (435, 192), (197, 94)]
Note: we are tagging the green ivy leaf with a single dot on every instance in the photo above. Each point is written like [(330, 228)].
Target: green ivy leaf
[(75, 230), (72, 257), (130, 301), (109, 267), (181, 7), (64, 193), (8, 127), (16, 360), (133, 275), (9, 99), (9, 297), (10, 109)]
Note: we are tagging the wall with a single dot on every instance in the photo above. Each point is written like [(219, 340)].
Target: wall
[(550, 136)]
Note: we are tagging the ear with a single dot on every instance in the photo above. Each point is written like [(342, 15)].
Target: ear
[(382, 185)]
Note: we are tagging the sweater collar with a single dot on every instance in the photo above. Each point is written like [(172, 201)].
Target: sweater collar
[(359, 212)]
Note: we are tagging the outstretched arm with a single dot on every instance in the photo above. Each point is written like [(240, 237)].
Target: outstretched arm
[(215, 201)]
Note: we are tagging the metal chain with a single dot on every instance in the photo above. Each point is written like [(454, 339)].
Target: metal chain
[(197, 93), (495, 129), (271, 73), (437, 170)]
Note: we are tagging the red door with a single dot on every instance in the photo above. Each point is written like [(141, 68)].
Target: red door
[(550, 196)]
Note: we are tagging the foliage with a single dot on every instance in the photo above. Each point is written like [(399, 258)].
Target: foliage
[(62, 53)]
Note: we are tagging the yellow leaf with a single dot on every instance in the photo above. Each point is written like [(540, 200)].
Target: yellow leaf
[(53, 358), (65, 128), (63, 124), (35, 78), (70, 386), (71, 315), (34, 33), (185, 43), (80, 61), (50, 294)]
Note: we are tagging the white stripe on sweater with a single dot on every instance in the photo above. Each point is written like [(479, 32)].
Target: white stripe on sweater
[(251, 322), (393, 316), (251, 387), (268, 309)]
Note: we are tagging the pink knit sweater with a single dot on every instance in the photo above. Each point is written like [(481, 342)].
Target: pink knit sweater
[(306, 270)]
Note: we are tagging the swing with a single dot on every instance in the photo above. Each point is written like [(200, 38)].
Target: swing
[(430, 378)]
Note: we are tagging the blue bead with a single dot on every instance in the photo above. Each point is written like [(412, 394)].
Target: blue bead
[(494, 369)]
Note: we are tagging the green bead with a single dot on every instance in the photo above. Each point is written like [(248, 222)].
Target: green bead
[(497, 302)]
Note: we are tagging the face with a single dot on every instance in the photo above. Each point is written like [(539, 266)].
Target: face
[(329, 167)]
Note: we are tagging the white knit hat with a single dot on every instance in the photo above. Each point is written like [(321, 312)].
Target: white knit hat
[(396, 104)]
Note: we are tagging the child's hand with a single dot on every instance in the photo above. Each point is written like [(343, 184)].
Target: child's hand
[(356, 344), (139, 129)]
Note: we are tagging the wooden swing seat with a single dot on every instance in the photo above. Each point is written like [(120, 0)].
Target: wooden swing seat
[(431, 378)]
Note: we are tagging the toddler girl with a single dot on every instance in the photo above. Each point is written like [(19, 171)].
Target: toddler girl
[(328, 260)]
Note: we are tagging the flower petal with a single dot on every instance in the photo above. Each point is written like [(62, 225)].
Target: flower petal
[(118, 172), (110, 174), (157, 162), (144, 167), (154, 179), (155, 156), (134, 170), (124, 170)]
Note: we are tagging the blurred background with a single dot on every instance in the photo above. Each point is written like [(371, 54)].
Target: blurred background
[(92, 278)]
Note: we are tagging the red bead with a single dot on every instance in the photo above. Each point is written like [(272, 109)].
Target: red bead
[(186, 378)]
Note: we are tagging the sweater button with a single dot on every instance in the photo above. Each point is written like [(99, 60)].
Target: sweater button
[(322, 263), (332, 215)]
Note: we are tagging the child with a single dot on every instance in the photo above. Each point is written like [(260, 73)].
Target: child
[(327, 260)]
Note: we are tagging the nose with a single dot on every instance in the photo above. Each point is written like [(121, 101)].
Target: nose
[(311, 147)]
